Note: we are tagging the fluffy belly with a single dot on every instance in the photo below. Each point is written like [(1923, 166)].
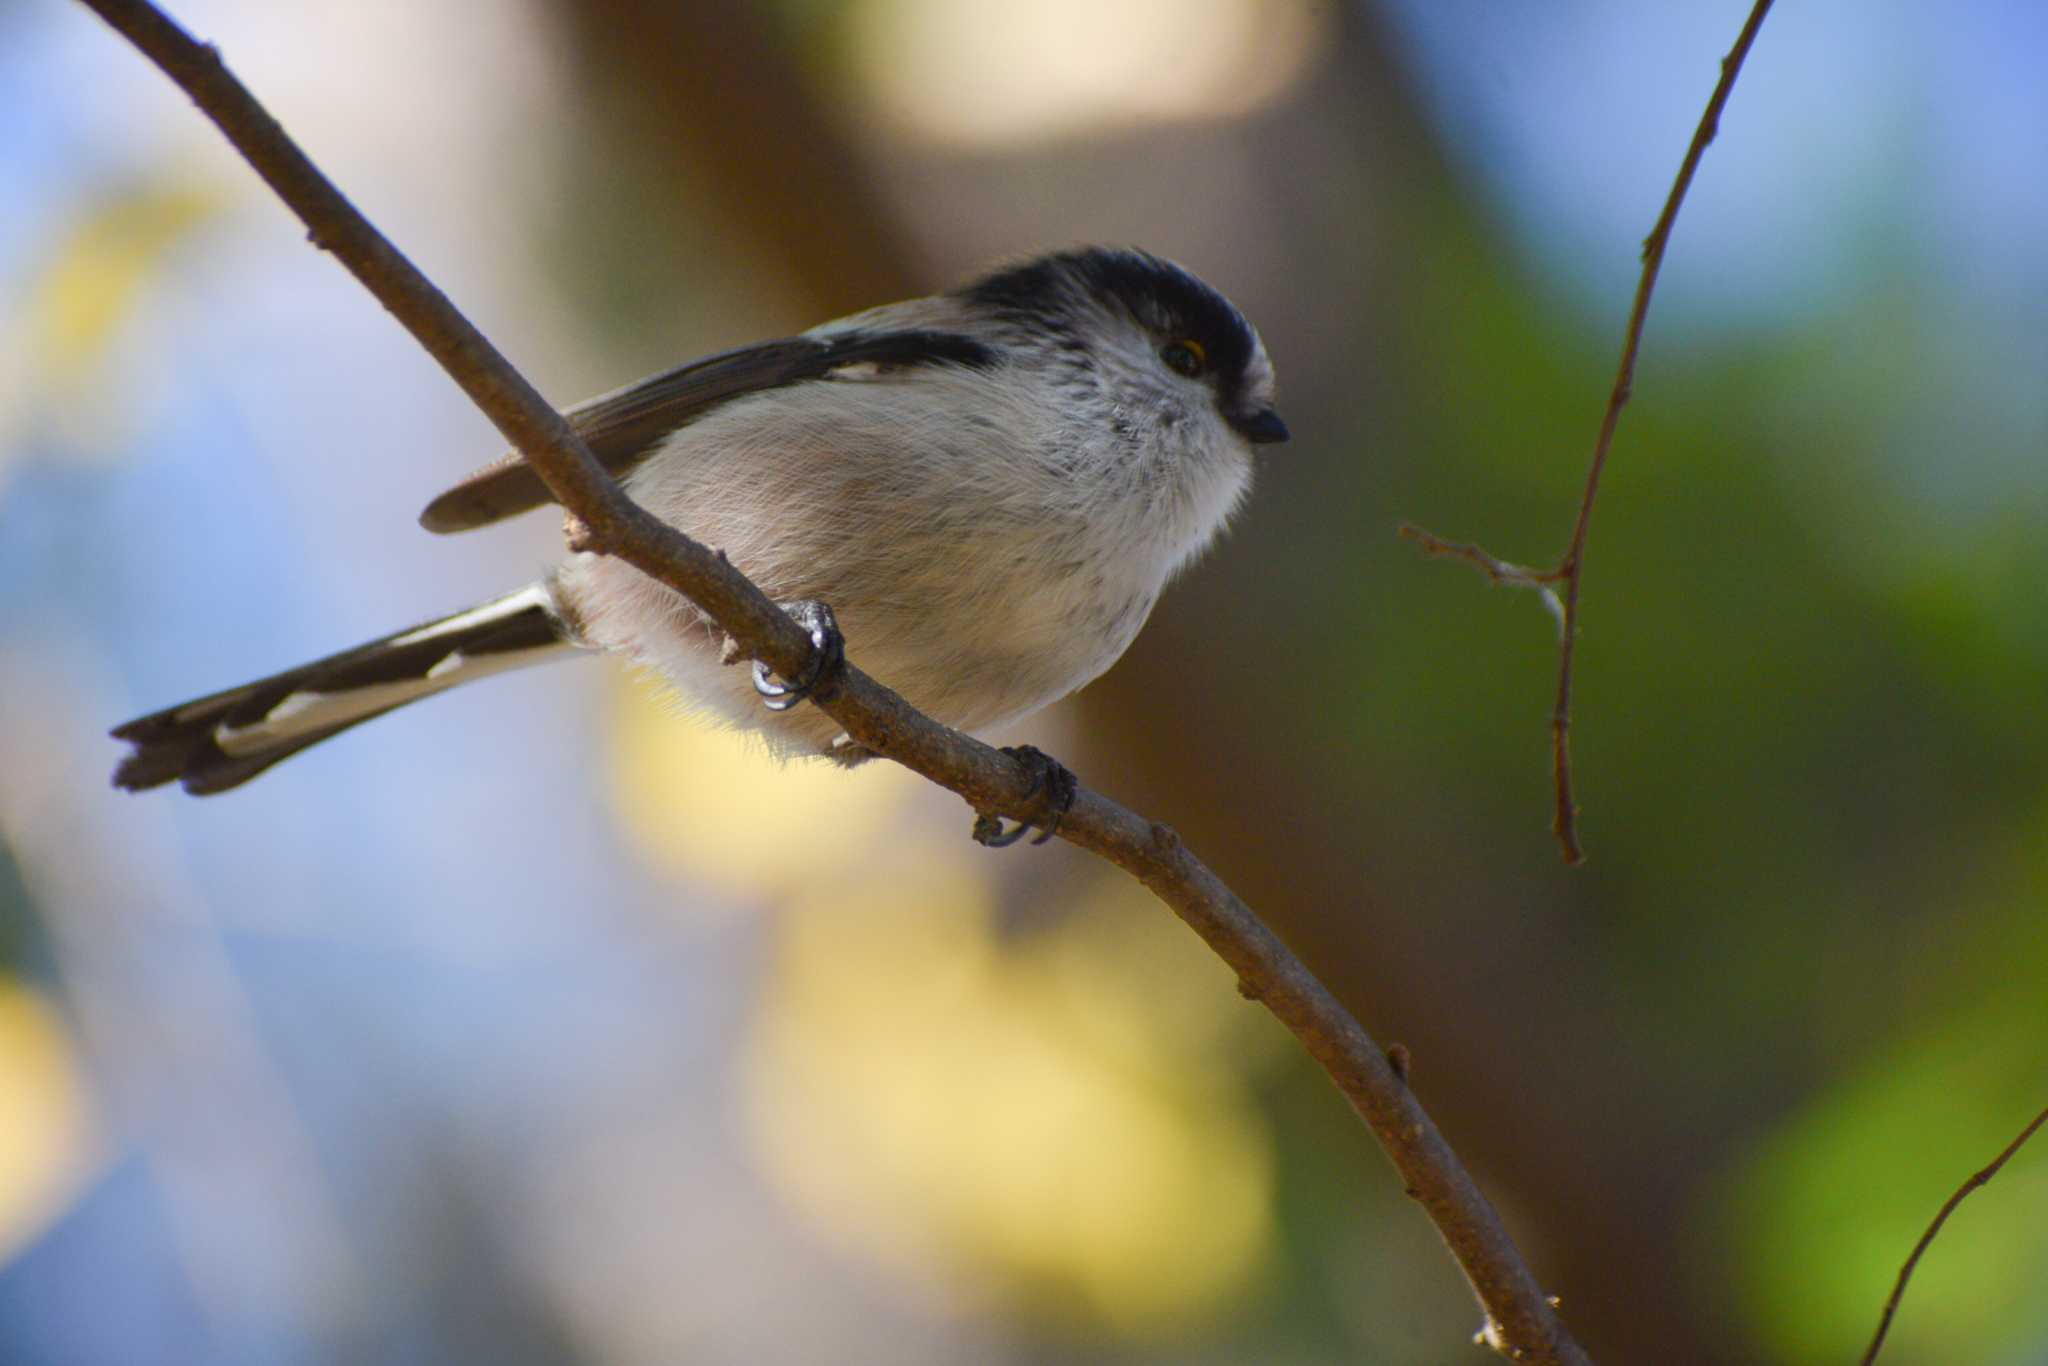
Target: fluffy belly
[(972, 657)]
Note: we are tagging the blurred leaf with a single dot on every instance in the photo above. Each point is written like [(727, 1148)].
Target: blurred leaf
[(43, 1124), (103, 267), (709, 804), (985, 74), (1821, 1217), (1059, 1123)]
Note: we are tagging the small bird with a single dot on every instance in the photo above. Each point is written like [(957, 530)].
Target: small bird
[(983, 491)]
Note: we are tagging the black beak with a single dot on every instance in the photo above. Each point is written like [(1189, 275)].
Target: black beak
[(1263, 428)]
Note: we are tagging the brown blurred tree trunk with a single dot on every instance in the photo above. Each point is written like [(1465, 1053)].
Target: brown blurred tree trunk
[(711, 99)]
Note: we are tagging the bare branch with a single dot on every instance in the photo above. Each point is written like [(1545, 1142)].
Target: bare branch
[(1498, 571), (1521, 1322), (1891, 1304), (1570, 569)]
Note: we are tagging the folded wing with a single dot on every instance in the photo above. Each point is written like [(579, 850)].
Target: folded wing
[(623, 427)]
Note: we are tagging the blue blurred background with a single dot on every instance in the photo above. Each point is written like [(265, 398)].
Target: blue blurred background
[(545, 1026)]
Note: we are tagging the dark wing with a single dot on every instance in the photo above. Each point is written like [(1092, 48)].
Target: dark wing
[(623, 427)]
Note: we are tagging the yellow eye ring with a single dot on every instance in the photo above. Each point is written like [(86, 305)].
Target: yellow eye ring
[(1185, 357)]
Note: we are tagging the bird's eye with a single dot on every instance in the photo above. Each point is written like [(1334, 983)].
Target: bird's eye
[(1184, 357)]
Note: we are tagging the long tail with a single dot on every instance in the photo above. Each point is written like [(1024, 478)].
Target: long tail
[(214, 743)]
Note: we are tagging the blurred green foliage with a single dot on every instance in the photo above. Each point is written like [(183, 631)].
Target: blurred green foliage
[(1809, 755)]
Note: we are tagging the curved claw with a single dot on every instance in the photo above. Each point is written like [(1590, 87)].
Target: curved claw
[(1059, 786), (774, 696), (999, 838), (828, 657)]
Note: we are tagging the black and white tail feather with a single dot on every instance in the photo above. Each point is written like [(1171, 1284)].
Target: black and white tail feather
[(213, 743)]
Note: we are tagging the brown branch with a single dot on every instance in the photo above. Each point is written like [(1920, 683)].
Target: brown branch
[(1520, 1321), (1570, 569), (1891, 1304), (1500, 571)]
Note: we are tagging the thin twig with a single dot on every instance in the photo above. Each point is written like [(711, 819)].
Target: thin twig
[(1570, 569), (1520, 1321), (1499, 571), (1891, 1304)]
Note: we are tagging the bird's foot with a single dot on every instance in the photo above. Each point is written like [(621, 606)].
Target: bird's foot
[(1057, 787), (828, 659)]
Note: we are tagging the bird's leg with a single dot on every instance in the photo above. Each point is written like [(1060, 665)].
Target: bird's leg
[(828, 658), (1056, 783)]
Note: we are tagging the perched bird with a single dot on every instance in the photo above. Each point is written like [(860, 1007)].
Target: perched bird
[(985, 490)]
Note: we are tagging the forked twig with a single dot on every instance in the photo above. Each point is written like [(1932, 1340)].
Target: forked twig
[(1499, 571), (1891, 1304), (1570, 568)]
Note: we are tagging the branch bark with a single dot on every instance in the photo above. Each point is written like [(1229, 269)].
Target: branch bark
[(1520, 1321)]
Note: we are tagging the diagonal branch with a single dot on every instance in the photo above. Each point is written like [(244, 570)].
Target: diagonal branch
[(1570, 569), (1976, 1179), (1520, 1321)]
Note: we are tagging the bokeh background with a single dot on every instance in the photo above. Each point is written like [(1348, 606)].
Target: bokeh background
[(546, 1026)]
